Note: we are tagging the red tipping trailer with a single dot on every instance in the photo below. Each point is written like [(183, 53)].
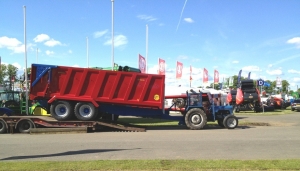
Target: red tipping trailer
[(83, 90), (94, 96)]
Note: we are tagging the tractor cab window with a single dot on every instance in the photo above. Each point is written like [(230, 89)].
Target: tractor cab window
[(194, 99)]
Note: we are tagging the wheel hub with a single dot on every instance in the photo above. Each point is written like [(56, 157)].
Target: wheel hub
[(196, 119), (231, 122), (85, 111)]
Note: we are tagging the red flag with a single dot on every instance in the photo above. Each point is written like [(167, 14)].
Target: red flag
[(205, 76), (179, 70), (216, 77), (191, 73), (161, 65), (142, 64)]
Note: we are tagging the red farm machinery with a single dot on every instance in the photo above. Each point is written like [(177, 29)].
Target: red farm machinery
[(246, 97)]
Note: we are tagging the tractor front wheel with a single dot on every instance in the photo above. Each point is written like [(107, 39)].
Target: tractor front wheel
[(230, 122)]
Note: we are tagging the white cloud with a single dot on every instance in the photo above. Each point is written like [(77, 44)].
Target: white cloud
[(17, 65), (293, 71), (274, 72), (52, 43), (70, 51), (297, 80), (188, 20), (18, 49), (270, 66), (98, 34), (295, 40), (235, 62), (146, 17), (48, 52), (119, 40), (41, 38), (251, 68), (9, 42)]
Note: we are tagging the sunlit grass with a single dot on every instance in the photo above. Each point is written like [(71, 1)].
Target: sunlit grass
[(149, 165)]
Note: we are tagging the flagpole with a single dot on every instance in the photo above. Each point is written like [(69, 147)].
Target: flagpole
[(112, 34), (25, 56), (37, 51), (146, 48), (190, 76), (87, 52)]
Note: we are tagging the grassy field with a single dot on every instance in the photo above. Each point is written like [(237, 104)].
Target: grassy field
[(147, 122), (149, 165)]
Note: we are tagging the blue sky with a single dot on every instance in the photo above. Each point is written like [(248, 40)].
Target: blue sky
[(257, 36)]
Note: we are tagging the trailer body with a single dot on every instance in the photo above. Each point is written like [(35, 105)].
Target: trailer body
[(97, 86)]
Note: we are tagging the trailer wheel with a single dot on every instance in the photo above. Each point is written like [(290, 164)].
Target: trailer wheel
[(195, 119), (24, 126), (220, 123), (230, 122), (85, 111), (61, 110), (3, 127)]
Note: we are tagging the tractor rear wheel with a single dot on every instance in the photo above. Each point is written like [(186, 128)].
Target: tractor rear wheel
[(61, 110), (195, 119)]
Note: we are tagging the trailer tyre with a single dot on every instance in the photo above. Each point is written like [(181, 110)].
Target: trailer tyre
[(230, 122), (195, 119), (3, 127), (24, 126), (61, 110), (85, 111)]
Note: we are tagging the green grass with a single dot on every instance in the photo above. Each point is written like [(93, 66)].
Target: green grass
[(150, 122), (149, 165), (266, 113)]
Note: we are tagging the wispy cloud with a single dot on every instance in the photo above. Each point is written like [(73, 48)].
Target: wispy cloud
[(274, 72), (181, 15), (235, 62), (251, 68), (98, 34), (188, 20), (119, 40), (293, 71), (146, 18), (285, 59), (182, 57)]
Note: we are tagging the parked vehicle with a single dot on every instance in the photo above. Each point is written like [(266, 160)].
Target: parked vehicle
[(79, 97), (246, 97), (295, 105)]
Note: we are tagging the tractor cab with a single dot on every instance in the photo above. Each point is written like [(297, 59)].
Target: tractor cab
[(11, 100)]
